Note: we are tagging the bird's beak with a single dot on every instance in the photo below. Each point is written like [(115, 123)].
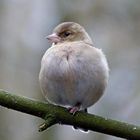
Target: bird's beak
[(54, 38)]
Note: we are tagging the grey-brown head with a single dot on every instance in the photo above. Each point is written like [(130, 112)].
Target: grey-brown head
[(69, 32)]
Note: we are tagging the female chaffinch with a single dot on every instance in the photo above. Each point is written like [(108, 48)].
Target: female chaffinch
[(73, 72)]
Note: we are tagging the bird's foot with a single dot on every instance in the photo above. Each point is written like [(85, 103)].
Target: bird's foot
[(74, 109)]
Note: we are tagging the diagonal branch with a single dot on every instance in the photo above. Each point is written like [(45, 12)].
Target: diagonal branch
[(55, 114)]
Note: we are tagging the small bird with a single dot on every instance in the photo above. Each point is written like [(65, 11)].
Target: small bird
[(73, 72)]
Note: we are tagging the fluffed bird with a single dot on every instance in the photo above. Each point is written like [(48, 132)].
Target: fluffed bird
[(73, 72)]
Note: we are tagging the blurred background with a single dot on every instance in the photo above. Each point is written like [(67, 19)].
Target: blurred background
[(114, 27)]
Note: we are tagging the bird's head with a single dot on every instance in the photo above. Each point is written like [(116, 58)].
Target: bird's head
[(69, 32)]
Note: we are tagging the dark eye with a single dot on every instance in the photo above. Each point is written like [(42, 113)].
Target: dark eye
[(67, 33)]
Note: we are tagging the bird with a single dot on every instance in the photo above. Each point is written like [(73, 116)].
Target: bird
[(74, 73)]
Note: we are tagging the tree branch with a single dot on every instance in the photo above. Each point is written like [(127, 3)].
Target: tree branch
[(55, 114)]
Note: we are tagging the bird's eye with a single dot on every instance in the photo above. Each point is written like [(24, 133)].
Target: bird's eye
[(67, 33)]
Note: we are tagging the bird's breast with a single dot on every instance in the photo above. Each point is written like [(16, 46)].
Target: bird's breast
[(70, 74)]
